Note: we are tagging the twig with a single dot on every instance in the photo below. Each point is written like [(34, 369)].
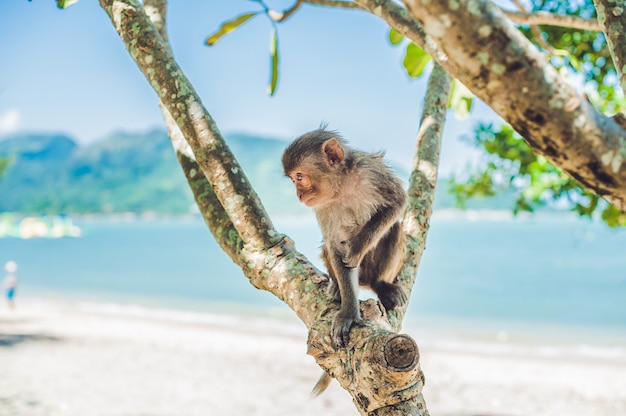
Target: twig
[(335, 3), (535, 30), (551, 19)]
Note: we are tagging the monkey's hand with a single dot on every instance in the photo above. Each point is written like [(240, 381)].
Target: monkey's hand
[(340, 331)]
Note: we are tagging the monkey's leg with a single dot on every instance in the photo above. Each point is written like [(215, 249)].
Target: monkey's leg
[(381, 266), (333, 286), (390, 294), (349, 313)]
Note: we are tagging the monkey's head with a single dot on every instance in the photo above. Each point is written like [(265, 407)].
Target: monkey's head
[(314, 162)]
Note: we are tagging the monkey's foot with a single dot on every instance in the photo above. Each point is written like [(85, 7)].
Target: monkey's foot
[(340, 331), (390, 295)]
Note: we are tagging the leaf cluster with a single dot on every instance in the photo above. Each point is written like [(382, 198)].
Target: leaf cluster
[(510, 164), (581, 54), (4, 162), (416, 60)]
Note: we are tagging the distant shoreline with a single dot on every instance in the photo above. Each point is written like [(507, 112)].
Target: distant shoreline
[(441, 213), (17, 225)]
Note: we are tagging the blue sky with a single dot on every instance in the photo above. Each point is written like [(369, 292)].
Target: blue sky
[(67, 71)]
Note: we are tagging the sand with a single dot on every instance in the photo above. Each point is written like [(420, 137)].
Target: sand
[(78, 359)]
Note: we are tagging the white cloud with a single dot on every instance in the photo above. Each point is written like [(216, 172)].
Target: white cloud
[(9, 121)]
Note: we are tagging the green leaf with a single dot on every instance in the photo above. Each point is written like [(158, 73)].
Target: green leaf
[(64, 4), (415, 60), (4, 163), (613, 217), (271, 88), (395, 37), (227, 27), (460, 100)]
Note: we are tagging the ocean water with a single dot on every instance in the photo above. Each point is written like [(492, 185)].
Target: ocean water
[(541, 280)]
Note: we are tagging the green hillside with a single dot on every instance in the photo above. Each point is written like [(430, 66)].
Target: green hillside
[(138, 172), (123, 173)]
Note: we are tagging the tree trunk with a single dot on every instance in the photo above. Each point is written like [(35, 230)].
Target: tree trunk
[(379, 367)]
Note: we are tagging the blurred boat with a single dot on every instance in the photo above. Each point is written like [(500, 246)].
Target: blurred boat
[(47, 226)]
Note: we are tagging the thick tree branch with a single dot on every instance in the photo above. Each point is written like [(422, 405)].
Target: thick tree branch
[(491, 57), (211, 209), (423, 180), (477, 45), (175, 91), (278, 268), (612, 18), (522, 18)]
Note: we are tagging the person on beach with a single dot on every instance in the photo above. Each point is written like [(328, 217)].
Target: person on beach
[(10, 282)]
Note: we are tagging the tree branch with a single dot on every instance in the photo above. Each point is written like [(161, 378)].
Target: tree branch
[(490, 56), (423, 180), (335, 3), (211, 209), (374, 352), (551, 19), (154, 58), (535, 30), (282, 16), (612, 18)]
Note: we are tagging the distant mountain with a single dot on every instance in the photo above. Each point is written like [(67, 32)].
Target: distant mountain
[(123, 173), (137, 172)]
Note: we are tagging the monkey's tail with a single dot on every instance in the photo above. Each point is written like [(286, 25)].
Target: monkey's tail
[(321, 385)]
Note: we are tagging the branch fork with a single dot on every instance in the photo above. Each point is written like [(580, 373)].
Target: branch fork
[(381, 365)]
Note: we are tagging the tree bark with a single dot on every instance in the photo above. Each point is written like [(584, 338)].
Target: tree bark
[(175, 91), (479, 46), (423, 180), (612, 18), (214, 215)]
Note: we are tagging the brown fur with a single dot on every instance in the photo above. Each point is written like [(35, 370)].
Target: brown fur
[(358, 202)]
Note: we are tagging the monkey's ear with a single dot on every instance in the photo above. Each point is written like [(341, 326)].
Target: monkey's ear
[(333, 151)]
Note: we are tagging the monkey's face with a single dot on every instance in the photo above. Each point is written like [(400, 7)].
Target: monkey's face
[(305, 188)]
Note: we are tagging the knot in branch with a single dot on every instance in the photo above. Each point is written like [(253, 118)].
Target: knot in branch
[(379, 367), (401, 353)]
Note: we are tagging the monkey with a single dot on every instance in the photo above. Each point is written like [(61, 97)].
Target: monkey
[(358, 203)]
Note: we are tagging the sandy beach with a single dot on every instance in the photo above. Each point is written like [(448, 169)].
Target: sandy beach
[(81, 359)]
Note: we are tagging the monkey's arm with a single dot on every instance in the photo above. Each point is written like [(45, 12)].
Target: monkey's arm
[(357, 246)]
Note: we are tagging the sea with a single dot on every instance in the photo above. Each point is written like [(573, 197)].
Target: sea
[(551, 284)]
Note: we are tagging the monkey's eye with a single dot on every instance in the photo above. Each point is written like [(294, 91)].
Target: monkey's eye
[(299, 177)]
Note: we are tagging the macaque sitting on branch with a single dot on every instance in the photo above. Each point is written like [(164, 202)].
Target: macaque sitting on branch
[(358, 202)]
